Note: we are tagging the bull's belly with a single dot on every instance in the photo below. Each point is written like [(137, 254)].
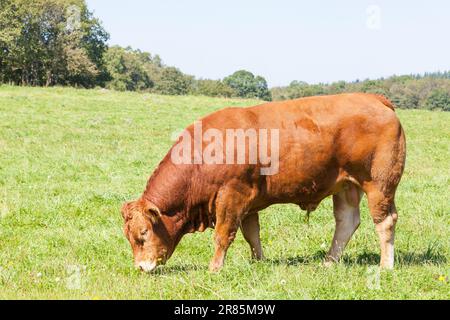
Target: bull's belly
[(307, 195)]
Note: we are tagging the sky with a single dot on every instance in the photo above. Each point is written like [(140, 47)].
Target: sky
[(281, 40)]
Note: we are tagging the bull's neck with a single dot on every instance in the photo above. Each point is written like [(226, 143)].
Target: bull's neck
[(168, 187), (184, 222)]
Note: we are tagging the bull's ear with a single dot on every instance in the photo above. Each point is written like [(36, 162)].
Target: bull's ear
[(126, 211), (151, 211)]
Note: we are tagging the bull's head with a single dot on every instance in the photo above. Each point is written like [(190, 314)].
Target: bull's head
[(145, 230)]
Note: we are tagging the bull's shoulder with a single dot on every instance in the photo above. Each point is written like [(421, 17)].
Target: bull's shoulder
[(230, 117)]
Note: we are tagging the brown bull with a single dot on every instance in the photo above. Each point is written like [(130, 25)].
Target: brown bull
[(341, 146)]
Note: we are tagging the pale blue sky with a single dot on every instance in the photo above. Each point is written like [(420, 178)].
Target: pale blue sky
[(313, 41)]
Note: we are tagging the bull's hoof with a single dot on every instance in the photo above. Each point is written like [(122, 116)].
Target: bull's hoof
[(386, 266), (258, 258), (329, 262), (215, 268)]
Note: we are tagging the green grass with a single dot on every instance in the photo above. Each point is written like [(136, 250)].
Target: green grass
[(69, 158)]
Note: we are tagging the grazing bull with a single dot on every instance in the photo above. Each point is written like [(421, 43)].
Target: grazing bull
[(341, 146)]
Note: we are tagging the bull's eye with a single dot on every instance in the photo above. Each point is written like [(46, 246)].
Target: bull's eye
[(141, 237), (144, 233)]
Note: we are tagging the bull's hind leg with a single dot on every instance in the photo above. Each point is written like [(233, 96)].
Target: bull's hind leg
[(250, 230), (346, 214), (384, 214), (386, 172)]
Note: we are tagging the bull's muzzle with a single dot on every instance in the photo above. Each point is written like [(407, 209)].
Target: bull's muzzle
[(147, 266)]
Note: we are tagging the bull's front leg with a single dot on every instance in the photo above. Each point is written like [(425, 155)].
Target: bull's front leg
[(250, 230), (225, 233), (231, 205)]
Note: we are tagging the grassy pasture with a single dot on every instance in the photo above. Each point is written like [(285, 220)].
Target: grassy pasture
[(69, 158)]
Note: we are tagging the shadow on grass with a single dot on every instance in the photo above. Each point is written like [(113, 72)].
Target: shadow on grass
[(177, 269), (299, 260), (402, 258), (429, 256)]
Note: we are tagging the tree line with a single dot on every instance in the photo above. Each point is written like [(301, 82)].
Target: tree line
[(428, 91), (136, 70), (60, 42)]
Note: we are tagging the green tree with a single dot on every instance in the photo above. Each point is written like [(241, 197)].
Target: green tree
[(438, 99), (299, 89), (48, 42), (173, 82), (126, 69), (246, 85), (212, 88)]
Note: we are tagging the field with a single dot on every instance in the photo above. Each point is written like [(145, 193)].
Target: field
[(69, 158)]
